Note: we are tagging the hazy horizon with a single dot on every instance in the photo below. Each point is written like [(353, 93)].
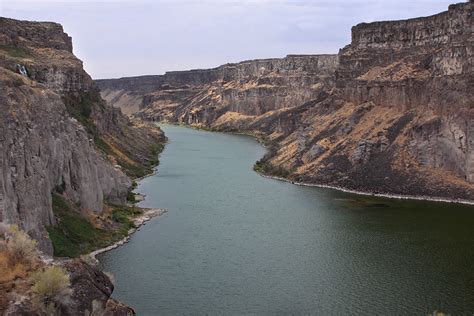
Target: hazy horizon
[(147, 37)]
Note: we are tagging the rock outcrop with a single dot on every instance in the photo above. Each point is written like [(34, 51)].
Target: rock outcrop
[(249, 88), (56, 133), (391, 113), (91, 291)]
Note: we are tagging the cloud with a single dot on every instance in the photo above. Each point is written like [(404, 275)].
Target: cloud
[(123, 37)]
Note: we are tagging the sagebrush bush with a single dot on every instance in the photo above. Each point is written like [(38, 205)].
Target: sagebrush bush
[(52, 288), (21, 247)]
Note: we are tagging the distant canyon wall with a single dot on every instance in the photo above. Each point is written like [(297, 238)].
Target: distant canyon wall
[(250, 87), (391, 113)]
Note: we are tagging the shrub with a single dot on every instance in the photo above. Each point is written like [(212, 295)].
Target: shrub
[(266, 168), (20, 245), (131, 197), (51, 288), (50, 282)]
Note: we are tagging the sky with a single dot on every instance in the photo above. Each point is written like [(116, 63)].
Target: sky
[(119, 38)]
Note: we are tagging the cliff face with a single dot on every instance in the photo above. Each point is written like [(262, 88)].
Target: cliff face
[(392, 113), (399, 119), (56, 134), (411, 63), (200, 96)]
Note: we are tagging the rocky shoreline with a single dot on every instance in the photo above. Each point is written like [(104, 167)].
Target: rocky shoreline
[(363, 193), (139, 221), (259, 139)]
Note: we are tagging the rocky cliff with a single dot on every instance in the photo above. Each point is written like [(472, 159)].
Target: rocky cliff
[(250, 88), (392, 113), (57, 134)]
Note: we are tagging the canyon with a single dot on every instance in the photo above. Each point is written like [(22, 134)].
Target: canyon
[(392, 113), (58, 138)]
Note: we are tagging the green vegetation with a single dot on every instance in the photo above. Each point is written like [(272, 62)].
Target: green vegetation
[(140, 170), (135, 170), (131, 197), (75, 235), (80, 106), (122, 215), (15, 52), (52, 288), (266, 168), (102, 145)]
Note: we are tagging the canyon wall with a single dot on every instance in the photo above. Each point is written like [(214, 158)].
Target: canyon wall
[(250, 87), (391, 113), (56, 134)]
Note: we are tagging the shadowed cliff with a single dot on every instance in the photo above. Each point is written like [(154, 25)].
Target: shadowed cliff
[(57, 135)]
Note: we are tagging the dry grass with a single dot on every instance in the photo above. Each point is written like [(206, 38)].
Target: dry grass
[(13, 277), (116, 151), (8, 271), (20, 246)]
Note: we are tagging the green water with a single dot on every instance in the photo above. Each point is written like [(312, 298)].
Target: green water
[(233, 242)]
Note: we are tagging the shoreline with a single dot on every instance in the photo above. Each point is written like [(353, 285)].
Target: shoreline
[(333, 187), (390, 196), (139, 221)]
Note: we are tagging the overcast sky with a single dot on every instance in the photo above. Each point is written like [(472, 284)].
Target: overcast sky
[(136, 37)]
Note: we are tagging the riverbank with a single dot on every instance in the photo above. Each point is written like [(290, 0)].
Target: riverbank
[(262, 140), (313, 241), (383, 195), (138, 222), (142, 219)]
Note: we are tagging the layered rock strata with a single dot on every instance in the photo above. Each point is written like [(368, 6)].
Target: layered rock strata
[(56, 133), (392, 113)]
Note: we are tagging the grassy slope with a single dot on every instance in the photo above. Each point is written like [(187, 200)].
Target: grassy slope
[(76, 235)]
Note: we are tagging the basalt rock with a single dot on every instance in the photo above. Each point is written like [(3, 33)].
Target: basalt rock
[(249, 88), (393, 112), (90, 294), (56, 133)]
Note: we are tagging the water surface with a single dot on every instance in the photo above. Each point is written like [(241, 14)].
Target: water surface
[(233, 242)]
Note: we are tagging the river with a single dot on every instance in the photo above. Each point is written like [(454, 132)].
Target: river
[(233, 242)]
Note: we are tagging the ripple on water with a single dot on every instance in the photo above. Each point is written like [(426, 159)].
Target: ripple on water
[(233, 242)]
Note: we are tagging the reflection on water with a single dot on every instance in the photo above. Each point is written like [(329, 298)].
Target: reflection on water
[(234, 242)]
